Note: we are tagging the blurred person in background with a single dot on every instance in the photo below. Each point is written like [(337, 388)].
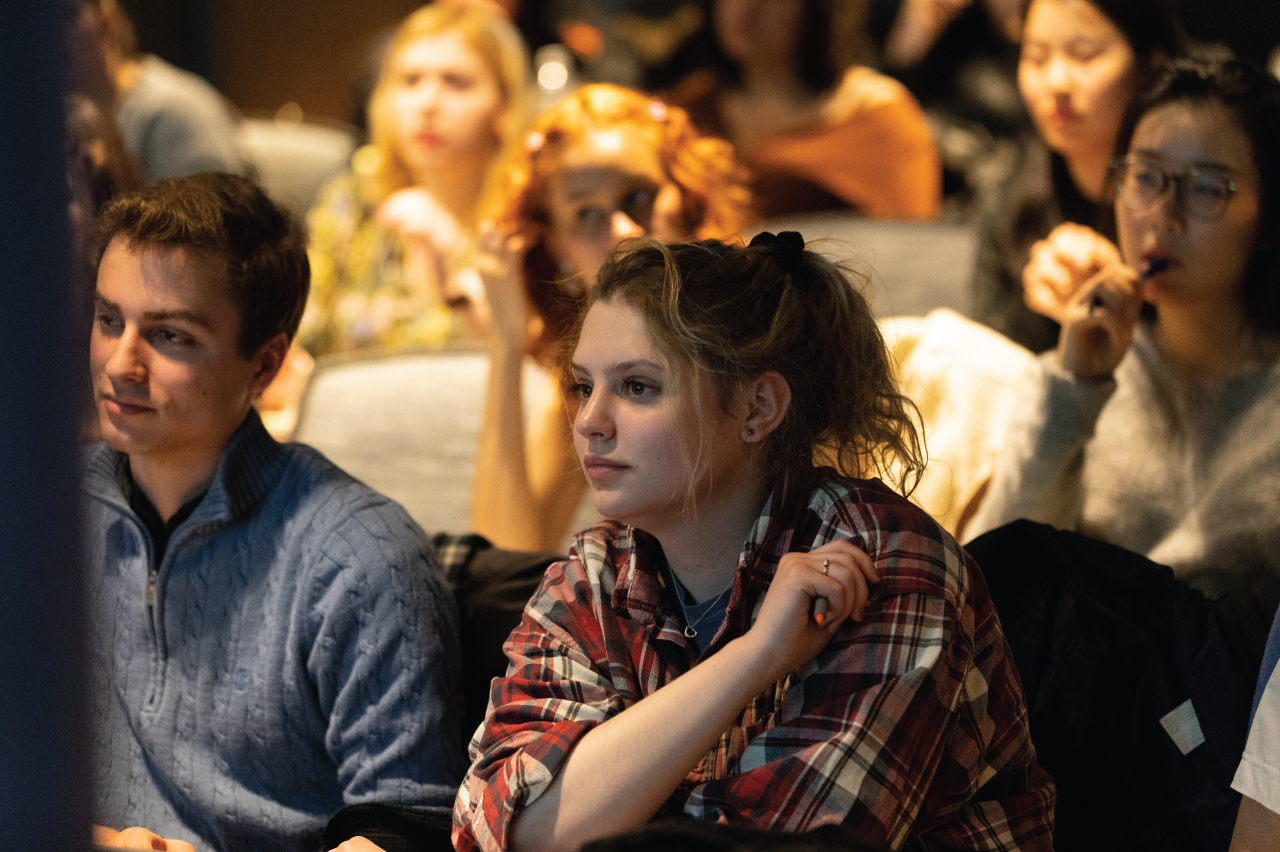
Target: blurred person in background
[(818, 130), (1145, 449), (172, 121), (1083, 63), (393, 240), (603, 165)]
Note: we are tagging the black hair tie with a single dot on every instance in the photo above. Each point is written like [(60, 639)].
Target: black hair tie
[(787, 248)]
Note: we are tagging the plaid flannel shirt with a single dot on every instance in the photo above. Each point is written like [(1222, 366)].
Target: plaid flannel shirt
[(910, 726)]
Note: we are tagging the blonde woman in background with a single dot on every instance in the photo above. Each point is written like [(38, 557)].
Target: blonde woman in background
[(604, 165), (392, 241)]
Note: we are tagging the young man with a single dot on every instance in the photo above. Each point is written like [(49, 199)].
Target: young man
[(273, 640)]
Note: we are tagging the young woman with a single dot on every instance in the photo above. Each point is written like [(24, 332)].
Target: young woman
[(392, 241), (604, 165), (818, 130), (1154, 428), (1083, 62), (713, 650)]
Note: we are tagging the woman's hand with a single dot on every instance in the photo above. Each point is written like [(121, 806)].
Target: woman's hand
[(1061, 264), (415, 214), (786, 635), (357, 844), (137, 838), (499, 264), (1097, 323)]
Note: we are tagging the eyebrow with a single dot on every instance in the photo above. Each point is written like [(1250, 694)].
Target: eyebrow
[(158, 316), (577, 181), (621, 367), (1155, 154)]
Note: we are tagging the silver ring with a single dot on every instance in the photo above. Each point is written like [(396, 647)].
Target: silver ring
[(826, 563)]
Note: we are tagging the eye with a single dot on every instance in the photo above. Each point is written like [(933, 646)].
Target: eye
[(1209, 187), (458, 82), (171, 337), (638, 388), (591, 217), (410, 79), (1034, 54), (638, 204), (107, 322), (579, 391), (1085, 51)]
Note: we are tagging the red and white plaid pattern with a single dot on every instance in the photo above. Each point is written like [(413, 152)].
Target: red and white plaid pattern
[(911, 724)]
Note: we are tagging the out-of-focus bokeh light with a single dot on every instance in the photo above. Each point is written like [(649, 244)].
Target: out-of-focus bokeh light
[(553, 75)]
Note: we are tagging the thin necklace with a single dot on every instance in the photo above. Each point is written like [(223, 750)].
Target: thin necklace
[(690, 630)]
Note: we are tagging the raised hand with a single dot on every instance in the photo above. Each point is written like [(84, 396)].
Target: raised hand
[(1098, 323), (1061, 264), (786, 634)]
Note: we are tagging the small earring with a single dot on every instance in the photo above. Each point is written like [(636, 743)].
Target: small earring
[(751, 431)]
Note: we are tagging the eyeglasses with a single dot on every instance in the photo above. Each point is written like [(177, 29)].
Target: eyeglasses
[(1203, 195)]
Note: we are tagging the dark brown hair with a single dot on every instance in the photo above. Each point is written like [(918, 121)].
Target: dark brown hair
[(733, 313), (263, 245)]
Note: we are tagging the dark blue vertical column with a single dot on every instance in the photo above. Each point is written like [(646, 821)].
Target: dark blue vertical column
[(44, 742)]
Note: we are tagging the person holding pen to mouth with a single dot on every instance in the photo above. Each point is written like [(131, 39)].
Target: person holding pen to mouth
[(679, 664), (1152, 426)]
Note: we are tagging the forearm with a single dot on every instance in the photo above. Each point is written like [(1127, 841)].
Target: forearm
[(503, 508), (621, 773), (1257, 828), (1038, 474)]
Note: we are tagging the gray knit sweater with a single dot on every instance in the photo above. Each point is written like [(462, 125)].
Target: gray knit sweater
[(302, 655), (1186, 473)]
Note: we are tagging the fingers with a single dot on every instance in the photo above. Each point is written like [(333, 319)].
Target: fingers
[(1061, 264), (357, 844), (140, 838), (1098, 327), (845, 583)]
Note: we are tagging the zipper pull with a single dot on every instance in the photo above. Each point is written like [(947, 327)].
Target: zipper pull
[(151, 589)]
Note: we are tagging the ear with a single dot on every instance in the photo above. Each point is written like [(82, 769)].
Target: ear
[(270, 358), (767, 398)]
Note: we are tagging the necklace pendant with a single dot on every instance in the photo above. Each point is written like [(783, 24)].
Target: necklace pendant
[(689, 632)]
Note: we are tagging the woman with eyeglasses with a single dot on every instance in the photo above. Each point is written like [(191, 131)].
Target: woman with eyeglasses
[(1153, 425), (1082, 64)]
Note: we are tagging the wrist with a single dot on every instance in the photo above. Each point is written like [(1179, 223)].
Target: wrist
[(760, 667)]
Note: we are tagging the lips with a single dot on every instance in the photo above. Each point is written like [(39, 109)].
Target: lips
[(597, 467), (115, 405), (429, 138)]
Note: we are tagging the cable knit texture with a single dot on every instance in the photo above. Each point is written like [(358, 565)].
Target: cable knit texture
[(302, 654)]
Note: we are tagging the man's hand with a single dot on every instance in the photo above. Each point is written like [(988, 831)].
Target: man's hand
[(137, 838)]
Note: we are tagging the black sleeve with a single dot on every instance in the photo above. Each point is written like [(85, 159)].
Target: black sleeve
[(396, 828)]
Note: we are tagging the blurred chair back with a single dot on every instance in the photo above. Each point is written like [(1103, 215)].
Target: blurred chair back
[(408, 424), (293, 160), (914, 267)]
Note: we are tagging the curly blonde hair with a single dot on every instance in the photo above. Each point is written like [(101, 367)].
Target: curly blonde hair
[(712, 184), (487, 30)]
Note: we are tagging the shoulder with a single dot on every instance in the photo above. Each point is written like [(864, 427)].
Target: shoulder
[(914, 553), (334, 515), (863, 90), (176, 89)]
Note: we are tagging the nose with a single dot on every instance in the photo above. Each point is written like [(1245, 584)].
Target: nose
[(127, 362), (623, 227), (594, 419), (1169, 211), (1056, 74)]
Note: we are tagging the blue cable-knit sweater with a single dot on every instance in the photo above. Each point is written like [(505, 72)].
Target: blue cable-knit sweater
[(302, 654)]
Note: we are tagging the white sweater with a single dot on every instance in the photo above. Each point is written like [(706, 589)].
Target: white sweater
[(1186, 473)]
